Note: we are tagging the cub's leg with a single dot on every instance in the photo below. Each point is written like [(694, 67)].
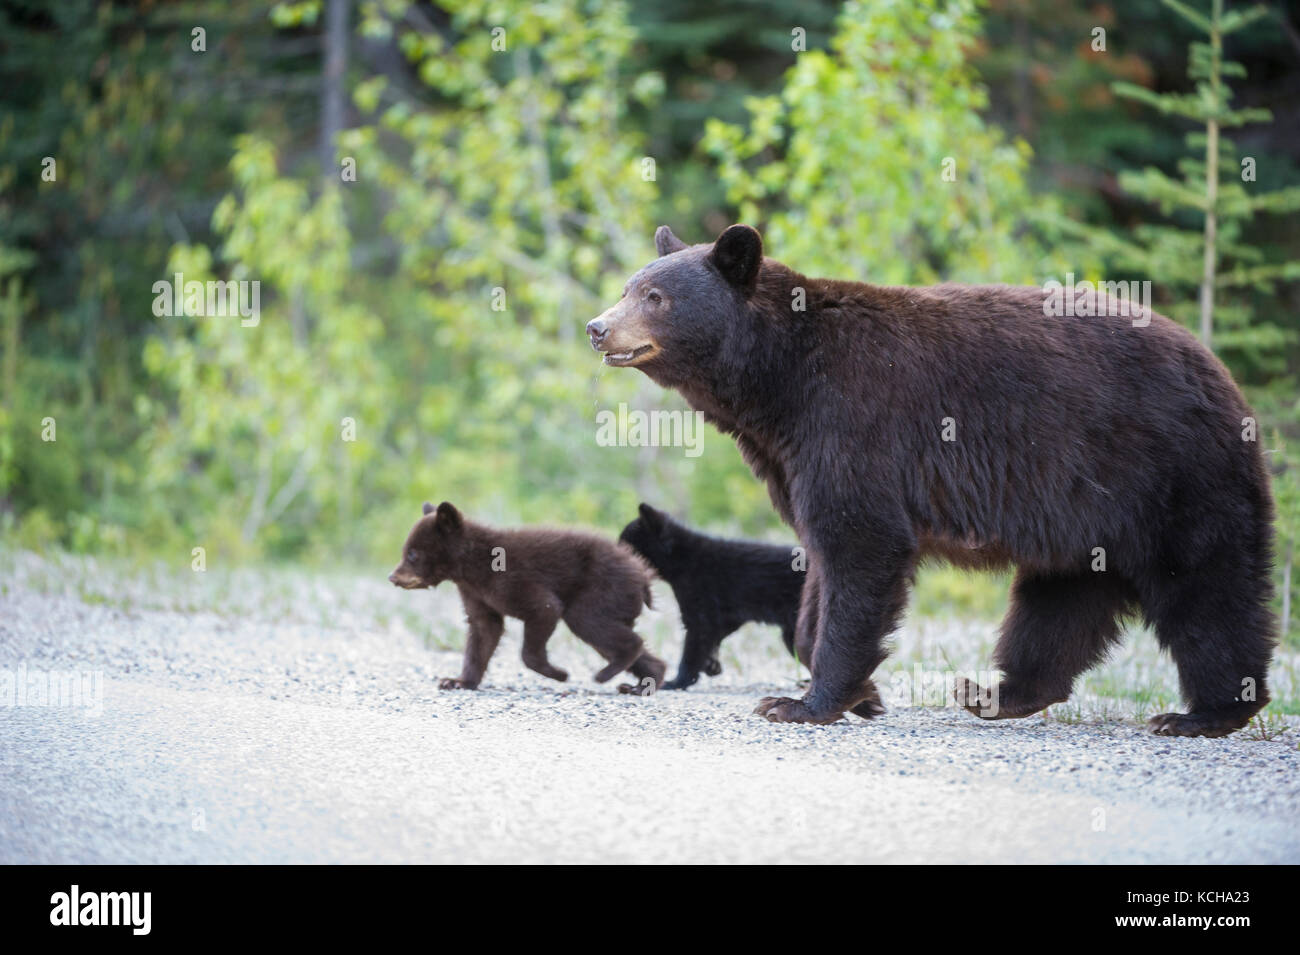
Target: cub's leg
[(485, 629), (589, 618), (805, 628), (649, 671), (537, 631), (697, 654), (619, 644), (787, 637)]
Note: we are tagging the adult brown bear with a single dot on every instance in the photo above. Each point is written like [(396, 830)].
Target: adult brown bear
[(964, 422)]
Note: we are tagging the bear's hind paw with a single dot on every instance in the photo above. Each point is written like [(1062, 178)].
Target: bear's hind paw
[(1192, 724)]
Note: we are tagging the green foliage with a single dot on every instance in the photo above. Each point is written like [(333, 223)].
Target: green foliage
[(1279, 406), (513, 177), (1221, 201), (875, 161), (260, 410), (499, 220)]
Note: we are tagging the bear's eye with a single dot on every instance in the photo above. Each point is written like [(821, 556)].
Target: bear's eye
[(653, 298), (412, 556)]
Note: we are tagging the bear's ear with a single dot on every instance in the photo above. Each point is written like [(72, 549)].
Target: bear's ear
[(737, 255), (651, 517), (666, 243), (428, 508), (448, 517)]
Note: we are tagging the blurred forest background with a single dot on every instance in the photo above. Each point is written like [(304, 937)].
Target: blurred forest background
[(382, 166)]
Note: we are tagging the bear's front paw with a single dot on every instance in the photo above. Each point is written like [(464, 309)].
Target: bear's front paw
[(712, 667), (783, 709), (452, 683)]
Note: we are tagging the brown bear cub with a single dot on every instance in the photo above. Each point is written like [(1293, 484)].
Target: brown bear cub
[(1110, 459), (541, 576)]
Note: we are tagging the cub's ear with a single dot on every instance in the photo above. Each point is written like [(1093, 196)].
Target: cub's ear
[(448, 517), (428, 508), (737, 254), (651, 517), (666, 243)]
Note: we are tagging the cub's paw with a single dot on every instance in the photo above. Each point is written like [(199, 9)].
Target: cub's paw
[(452, 683), (1191, 724), (783, 709), (645, 688), (712, 667)]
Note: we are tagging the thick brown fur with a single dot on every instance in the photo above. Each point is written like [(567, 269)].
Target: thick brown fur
[(541, 576), (1070, 435)]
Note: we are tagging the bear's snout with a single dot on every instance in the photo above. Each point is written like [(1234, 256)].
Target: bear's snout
[(404, 579), (621, 336)]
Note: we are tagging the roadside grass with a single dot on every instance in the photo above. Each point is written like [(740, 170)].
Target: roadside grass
[(950, 629)]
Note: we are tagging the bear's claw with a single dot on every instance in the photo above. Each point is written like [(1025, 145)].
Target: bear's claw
[(452, 683), (975, 700), (645, 688), (783, 709), (1188, 724)]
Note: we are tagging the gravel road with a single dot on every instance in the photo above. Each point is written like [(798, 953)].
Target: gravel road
[(268, 739)]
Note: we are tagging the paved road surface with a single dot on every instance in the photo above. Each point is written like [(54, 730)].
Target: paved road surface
[(222, 741)]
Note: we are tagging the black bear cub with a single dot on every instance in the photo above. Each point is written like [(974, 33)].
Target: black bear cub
[(541, 576), (1108, 457), (719, 585)]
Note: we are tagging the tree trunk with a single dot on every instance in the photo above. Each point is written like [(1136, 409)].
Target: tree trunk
[(1211, 183), (331, 100)]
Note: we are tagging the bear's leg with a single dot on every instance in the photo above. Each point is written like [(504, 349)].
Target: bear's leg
[(803, 641), (537, 631), (1217, 627), (613, 639), (787, 637), (697, 651), (1057, 627), (649, 671), (485, 629), (862, 593), (805, 627), (621, 647)]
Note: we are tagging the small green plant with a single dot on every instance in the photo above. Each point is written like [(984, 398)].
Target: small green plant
[(1267, 725)]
